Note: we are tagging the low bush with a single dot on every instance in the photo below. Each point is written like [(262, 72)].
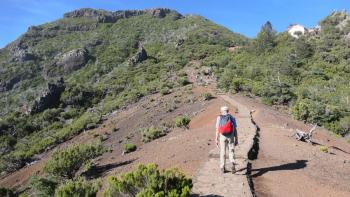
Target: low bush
[(70, 113), (6, 192), (182, 74), (7, 142), (165, 91), (52, 115), (129, 147), (78, 125), (147, 180), (182, 121), (207, 96), (183, 81), (65, 163), (344, 126), (324, 149), (78, 188), (44, 186), (152, 133)]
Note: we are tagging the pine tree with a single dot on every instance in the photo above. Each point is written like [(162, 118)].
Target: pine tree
[(265, 39)]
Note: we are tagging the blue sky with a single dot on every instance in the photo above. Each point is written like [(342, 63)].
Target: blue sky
[(243, 16)]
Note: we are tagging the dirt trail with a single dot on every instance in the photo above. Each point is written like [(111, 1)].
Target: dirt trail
[(209, 180), (286, 167)]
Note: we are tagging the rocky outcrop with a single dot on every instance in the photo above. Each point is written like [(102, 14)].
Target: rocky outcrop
[(104, 16), (8, 84), (140, 56), (20, 51), (22, 55), (50, 98), (98, 15), (73, 60)]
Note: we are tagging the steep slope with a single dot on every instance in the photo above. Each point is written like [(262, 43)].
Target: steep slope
[(60, 78)]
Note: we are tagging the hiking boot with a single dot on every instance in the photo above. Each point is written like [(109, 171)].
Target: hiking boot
[(222, 170), (233, 169)]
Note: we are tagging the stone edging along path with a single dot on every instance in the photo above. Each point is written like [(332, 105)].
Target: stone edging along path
[(209, 181)]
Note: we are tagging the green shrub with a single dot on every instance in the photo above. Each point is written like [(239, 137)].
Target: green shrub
[(183, 81), (78, 125), (81, 95), (78, 188), (51, 115), (182, 121), (152, 133), (70, 113), (344, 126), (324, 149), (66, 162), (278, 93), (6, 192), (129, 147), (147, 180), (43, 186), (165, 91), (7, 142), (182, 74), (207, 96)]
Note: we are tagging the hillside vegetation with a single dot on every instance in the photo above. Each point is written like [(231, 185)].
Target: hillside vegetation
[(60, 78), (309, 74)]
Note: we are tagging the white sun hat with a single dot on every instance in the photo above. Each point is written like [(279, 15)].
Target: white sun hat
[(224, 109)]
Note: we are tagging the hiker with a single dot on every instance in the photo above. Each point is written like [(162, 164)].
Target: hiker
[(226, 136)]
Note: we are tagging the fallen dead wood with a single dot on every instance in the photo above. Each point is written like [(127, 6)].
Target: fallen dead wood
[(305, 136)]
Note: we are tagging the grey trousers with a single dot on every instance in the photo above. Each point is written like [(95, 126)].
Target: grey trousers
[(227, 143)]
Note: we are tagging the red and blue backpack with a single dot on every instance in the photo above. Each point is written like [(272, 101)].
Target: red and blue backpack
[(226, 124)]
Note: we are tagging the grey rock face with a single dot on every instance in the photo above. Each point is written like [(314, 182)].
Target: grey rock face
[(73, 60), (22, 55), (112, 17), (20, 51), (50, 98), (7, 85), (98, 15), (140, 56)]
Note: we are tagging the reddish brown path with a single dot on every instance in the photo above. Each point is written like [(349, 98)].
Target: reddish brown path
[(286, 167), (209, 180)]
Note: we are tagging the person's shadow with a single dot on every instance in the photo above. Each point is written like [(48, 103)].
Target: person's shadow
[(299, 164)]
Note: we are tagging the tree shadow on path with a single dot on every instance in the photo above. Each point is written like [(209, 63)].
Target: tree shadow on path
[(299, 164)]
